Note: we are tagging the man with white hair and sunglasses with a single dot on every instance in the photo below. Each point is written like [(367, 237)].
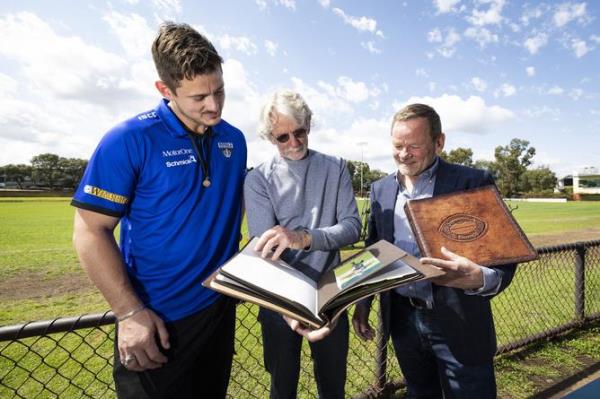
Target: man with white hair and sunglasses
[(301, 205)]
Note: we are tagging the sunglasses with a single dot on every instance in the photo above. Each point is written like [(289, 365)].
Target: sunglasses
[(298, 134)]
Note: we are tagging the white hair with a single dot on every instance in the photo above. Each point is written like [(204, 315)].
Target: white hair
[(285, 102)]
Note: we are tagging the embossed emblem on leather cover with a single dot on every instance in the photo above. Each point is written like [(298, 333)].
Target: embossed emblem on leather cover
[(474, 223), (463, 227)]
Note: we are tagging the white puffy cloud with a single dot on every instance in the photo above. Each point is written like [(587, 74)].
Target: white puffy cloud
[(481, 35), (544, 111), (370, 47), (530, 71), (325, 3), (363, 24), (262, 4), (568, 12), (533, 44), (242, 98), (595, 38), (271, 47), (514, 27), (505, 90), (65, 66), (132, 31), (243, 102), (435, 35), (365, 138), (8, 85), (531, 14), (167, 8), (239, 43), (336, 101), (290, 4), (446, 6), (493, 15), (479, 84), (555, 91), (579, 47), (470, 115), (447, 45), (352, 91), (576, 94), (322, 99), (422, 73), (94, 89)]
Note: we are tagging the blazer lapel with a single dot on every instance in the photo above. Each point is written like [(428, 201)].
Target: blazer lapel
[(446, 179), (388, 202)]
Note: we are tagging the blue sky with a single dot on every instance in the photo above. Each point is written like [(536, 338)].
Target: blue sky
[(494, 70)]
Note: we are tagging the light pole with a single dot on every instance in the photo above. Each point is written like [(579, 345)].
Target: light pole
[(362, 145)]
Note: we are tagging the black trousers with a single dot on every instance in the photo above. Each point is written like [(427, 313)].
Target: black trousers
[(200, 357), (282, 352)]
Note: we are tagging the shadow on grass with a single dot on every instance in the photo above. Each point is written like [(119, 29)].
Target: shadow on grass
[(553, 390), (551, 366)]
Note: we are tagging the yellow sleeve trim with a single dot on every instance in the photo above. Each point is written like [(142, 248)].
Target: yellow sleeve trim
[(98, 192)]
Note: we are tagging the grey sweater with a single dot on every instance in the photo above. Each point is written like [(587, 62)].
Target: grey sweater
[(314, 194)]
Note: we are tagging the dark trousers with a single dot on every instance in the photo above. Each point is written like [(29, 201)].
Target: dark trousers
[(282, 350), (200, 357), (428, 365)]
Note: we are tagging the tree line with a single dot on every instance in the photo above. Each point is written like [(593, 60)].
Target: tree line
[(47, 171), (509, 169)]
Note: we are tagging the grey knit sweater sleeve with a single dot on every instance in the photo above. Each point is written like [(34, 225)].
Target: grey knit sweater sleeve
[(314, 194)]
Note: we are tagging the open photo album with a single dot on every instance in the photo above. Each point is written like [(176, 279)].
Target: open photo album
[(278, 286)]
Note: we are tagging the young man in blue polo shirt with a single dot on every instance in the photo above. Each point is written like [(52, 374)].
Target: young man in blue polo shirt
[(173, 178)]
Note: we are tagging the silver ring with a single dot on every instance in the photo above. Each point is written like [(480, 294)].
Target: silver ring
[(128, 359)]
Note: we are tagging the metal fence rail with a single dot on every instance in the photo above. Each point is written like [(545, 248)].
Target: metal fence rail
[(72, 357)]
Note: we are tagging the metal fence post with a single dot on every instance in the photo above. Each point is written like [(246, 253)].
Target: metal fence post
[(580, 250), (381, 366)]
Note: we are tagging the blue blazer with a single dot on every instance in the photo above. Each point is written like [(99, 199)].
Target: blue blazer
[(466, 320)]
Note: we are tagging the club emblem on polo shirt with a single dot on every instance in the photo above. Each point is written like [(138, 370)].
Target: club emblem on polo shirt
[(226, 148)]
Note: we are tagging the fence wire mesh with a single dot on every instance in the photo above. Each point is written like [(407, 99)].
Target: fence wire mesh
[(72, 357)]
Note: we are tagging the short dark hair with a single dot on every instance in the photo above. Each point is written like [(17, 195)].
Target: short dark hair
[(413, 111), (179, 52)]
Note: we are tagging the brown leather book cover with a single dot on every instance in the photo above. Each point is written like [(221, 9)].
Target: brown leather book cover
[(474, 223)]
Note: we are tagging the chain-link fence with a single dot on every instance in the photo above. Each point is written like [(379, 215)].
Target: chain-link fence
[(72, 357)]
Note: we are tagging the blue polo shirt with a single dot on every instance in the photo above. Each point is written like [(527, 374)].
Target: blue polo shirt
[(174, 231)]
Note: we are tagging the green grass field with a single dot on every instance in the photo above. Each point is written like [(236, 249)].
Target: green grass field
[(548, 218), (43, 280), (37, 256)]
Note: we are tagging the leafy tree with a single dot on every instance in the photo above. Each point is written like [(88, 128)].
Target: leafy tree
[(351, 168), (356, 168), (71, 171), (374, 175), (46, 169), (490, 166), (539, 180), (461, 156), (512, 162), (16, 173), (368, 175)]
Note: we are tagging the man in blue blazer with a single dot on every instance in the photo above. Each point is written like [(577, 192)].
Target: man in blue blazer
[(442, 330)]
